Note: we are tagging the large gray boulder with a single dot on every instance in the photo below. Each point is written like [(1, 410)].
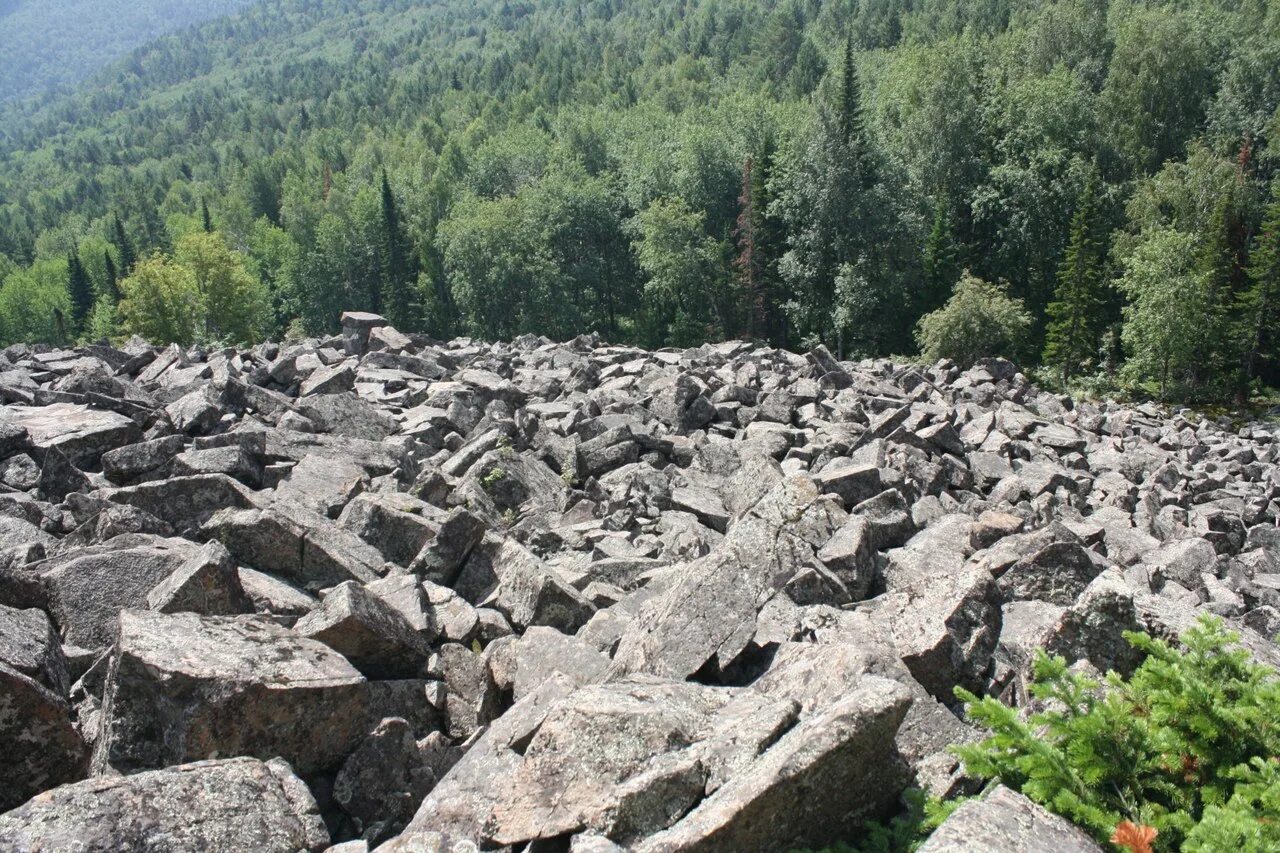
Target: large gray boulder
[(230, 804), (375, 637), (182, 687), (88, 587)]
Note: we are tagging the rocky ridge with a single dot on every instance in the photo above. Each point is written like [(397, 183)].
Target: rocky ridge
[(383, 592)]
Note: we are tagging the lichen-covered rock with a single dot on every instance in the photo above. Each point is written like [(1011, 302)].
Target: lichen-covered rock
[(231, 804), (1004, 821), (182, 687), (375, 637), (42, 747), (576, 595)]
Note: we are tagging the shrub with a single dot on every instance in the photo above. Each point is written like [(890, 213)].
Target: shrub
[(979, 320), (1187, 746)]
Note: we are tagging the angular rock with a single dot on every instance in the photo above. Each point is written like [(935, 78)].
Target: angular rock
[(183, 687), (1005, 821), (370, 633), (207, 583), (43, 748), (232, 804)]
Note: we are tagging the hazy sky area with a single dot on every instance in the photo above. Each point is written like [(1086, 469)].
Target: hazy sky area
[(49, 43)]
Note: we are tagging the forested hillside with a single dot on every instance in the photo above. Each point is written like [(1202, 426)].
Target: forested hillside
[(50, 43), (1086, 183)]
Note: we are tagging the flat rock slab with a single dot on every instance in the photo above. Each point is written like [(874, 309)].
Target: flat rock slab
[(183, 687), (234, 804), (81, 433)]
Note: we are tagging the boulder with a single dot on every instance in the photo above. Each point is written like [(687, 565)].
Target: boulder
[(182, 687), (375, 637), (1005, 821), (230, 804)]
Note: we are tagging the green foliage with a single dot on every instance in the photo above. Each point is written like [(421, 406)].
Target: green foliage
[(1187, 745), (44, 43), (564, 167), (160, 302), (1078, 310), (233, 304), (978, 321), (1169, 303), (31, 302)]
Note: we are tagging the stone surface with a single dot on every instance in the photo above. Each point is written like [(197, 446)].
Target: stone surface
[(374, 636), (1004, 821), (231, 804), (578, 595), (182, 687)]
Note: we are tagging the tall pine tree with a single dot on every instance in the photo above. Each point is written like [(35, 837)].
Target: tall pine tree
[(746, 263), (1261, 304), (832, 217), (128, 257), (1077, 313), (80, 289), (113, 277), (1218, 338), (205, 219), (399, 273), (940, 269)]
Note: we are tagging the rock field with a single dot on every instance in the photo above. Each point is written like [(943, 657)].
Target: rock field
[(385, 593)]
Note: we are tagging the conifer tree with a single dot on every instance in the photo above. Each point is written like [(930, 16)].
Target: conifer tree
[(1217, 338), (113, 276), (1075, 314), (399, 276), (746, 264), (1261, 302), (128, 258), (80, 289), (770, 243), (205, 219), (939, 261)]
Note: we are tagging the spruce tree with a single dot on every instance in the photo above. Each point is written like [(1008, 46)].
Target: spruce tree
[(746, 263), (127, 255), (1218, 340), (1261, 303), (771, 242), (1076, 313), (399, 276), (850, 103), (80, 289), (205, 219), (113, 277), (938, 261)]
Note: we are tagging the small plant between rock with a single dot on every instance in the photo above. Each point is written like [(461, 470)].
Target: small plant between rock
[(1181, 756)]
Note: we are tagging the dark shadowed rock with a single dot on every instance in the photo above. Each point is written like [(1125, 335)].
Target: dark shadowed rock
[(42, 747)]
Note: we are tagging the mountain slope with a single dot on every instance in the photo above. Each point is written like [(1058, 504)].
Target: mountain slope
[(675, 171), (49, 43)]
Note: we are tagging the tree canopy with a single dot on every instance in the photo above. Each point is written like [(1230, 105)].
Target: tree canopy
[(673, 172)]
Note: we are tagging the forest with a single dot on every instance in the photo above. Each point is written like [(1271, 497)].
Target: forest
[(1091, 187), (51, 44)]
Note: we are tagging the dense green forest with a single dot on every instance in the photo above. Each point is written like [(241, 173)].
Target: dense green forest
[(1090, 185), (49, 43)]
